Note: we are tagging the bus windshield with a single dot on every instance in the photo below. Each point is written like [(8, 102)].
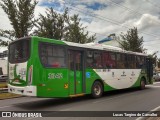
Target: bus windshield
[(19, 51)]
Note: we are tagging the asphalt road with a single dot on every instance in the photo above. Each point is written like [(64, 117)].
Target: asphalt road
[(124, 100)]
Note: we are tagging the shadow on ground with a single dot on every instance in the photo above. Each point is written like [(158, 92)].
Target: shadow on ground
[(45, 104)]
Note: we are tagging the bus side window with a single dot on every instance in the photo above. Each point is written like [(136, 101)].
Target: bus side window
[(52, 56), (120, 64), (90, 62), (140, 62), (97, 59), (55, 63), (123, 61), (44, 60), (129, 61), (133, 59), (112, 60), (43, 55), (105, 59), (89, 59)]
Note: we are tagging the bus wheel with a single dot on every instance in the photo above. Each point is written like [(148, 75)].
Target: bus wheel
[(142, 84), (97, 89)]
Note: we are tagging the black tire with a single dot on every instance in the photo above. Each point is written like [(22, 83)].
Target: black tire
[(142, 84), (97, 89)]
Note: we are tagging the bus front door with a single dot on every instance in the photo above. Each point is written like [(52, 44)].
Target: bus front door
[(76, 81)]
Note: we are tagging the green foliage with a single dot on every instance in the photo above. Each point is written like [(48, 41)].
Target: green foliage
[(75, 31), (21, 16), (158, 62), (51, 25), (61, 27), (3, 43), (154, 58), (10, 34), (131, 41)]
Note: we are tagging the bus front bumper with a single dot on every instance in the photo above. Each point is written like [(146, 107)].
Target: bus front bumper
[(27, 90)]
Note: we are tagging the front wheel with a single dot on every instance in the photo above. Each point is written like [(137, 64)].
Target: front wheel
[(142, 84), (97, 89)]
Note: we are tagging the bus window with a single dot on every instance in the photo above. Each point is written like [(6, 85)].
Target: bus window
[(52, 56), (97, 59), (144, 62), (131, 62), (134, 61), (89, 59), (105, 60), (19, 51), (94, 59), (112, 60), (140, 61), (125, 61), (49, 50), (120, 62)]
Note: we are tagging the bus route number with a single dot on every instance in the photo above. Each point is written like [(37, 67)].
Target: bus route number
[(55, 75)]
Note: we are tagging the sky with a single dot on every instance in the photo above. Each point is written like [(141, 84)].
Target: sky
[(105, 17)]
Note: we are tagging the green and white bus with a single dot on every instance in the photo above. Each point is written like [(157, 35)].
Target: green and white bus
[(45, 67)]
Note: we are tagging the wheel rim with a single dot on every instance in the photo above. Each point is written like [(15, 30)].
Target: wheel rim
[(97, 90)]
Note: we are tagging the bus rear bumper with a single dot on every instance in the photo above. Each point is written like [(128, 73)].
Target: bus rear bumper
[(27, 90)]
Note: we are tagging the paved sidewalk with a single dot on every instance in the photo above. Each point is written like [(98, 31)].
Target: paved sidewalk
[(153, 118)]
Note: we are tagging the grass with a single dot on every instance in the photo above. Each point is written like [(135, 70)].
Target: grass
[(8, 95), (3, 85)]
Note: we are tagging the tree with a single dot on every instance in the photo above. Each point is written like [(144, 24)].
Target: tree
[(51, 25), (21, 16), (3, 43), (131, 41), (75, 31), (158, 62), (154, 58), (61, 27)]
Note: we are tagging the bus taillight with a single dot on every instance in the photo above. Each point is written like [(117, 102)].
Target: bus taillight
[(30, 73)]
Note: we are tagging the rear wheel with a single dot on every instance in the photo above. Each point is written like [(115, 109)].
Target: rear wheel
[(142, 84), (97, 89)]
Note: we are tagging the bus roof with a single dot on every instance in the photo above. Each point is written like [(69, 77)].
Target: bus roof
[(103, 47), (93, 46)]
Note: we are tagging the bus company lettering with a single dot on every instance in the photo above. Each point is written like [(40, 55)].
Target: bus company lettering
[(55, 75)]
